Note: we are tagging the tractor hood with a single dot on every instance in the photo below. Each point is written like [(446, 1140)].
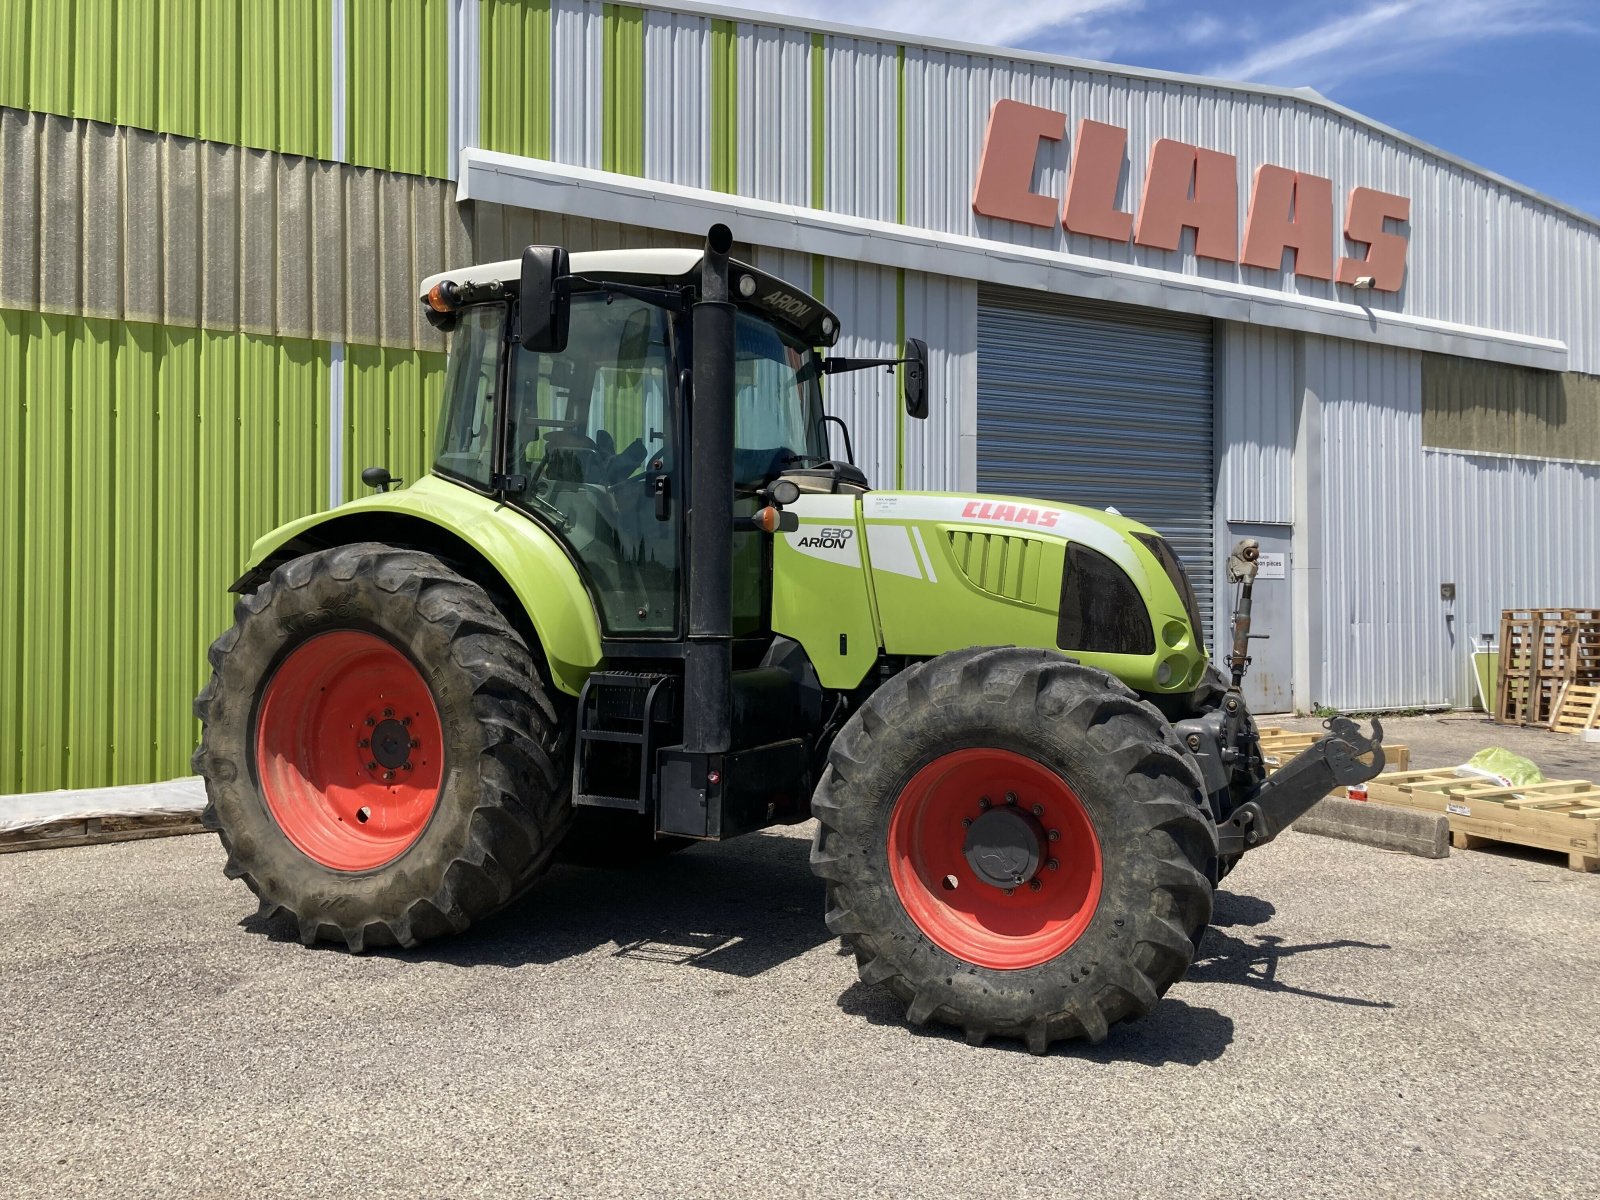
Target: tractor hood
[(943, 571)]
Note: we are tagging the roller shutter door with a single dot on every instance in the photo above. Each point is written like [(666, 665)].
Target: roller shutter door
[(1101, 405)]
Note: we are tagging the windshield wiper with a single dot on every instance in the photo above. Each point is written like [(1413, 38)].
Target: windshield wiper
[(671, 299)]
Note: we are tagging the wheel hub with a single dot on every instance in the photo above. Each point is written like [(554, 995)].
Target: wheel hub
[(391, 744), (1005, 846)]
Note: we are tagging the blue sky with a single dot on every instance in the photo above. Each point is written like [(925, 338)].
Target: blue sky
[(1512, 85)]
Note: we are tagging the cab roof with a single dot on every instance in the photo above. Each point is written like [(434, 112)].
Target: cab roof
[(780, 301)]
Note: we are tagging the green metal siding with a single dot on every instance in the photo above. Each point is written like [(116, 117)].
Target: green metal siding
[(247, 72), (137, 464), (397, 79), (622, 133), (514, 61), (724, 106), (391, 403)]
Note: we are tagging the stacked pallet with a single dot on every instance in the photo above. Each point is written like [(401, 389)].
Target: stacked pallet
[(1542, 651)]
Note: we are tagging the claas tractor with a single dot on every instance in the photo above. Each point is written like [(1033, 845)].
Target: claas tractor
[(639, 603)]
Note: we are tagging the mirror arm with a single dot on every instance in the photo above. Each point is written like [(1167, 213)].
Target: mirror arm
[(842, 366)]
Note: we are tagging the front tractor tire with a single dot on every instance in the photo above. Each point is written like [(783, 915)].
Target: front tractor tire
[(381, 760), (1013, 844)]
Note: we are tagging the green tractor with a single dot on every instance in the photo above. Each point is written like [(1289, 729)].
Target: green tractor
[(638, 604)]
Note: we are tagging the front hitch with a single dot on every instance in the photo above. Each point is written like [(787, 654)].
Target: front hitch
[(1342, 758)]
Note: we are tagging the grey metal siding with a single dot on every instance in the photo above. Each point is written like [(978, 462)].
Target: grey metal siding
[(1101, 406), (1255, 425), (677, 98), (1396, 520), (110, 222)]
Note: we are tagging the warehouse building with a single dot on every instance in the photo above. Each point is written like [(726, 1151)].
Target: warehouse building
[(1225, 309)]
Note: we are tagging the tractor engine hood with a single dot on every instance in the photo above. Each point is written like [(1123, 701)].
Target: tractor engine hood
[(941, 571)]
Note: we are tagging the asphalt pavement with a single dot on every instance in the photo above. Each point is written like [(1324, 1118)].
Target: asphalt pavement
[(1359, 1024)]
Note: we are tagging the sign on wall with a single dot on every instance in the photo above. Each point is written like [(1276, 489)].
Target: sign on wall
[(1188, 187)]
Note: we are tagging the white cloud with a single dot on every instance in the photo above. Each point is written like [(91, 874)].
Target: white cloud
[(1391, 33)]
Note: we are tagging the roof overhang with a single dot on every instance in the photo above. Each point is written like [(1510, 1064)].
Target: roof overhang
[(545, 186)]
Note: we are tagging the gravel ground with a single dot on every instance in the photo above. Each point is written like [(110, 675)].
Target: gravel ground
[(1449, 740), (1359, 1024)]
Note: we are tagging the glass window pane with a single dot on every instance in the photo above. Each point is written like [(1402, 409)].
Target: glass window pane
[(466, 440), (777, 402), (589, 428)]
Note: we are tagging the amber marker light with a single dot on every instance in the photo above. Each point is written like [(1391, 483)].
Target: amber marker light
[(767, 519), (442, 297)]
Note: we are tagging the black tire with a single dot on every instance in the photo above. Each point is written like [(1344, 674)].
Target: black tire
[(615, 839), (502, 805), (1141, 792)]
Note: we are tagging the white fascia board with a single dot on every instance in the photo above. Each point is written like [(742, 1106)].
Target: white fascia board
[(545, 186)]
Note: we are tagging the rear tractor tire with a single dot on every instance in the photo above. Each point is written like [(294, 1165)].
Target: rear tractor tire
[(1014, 844), (381, 760)]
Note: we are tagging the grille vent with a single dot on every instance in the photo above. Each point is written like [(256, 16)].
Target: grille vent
[(997, 563)]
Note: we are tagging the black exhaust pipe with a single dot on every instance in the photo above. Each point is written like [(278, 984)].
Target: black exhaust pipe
[(708, 666)]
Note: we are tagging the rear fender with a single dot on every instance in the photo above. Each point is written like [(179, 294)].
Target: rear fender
[(497, 547)]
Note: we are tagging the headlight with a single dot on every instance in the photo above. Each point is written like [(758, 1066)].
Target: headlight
[(1101, 611), (1173, 566)]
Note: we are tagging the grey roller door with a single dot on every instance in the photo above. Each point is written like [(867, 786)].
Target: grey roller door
[(1102, 405)]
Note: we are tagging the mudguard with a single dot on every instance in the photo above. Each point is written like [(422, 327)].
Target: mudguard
[(532, 563)]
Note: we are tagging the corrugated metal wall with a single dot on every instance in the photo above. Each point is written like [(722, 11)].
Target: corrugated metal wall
[(121, 223), (255, 74), (137, 464), (396, 83), (1398, 520), (1383, 634), (1255, 424), (392, 400), (1101, 407), (514, 72)]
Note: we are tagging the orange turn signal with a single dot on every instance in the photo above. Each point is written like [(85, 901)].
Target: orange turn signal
[(767, 519), (442, 297)]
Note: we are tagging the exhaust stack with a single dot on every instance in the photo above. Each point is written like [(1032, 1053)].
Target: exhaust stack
[(708, 666)]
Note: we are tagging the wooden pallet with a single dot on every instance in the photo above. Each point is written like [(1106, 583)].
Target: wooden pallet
[(95, 830), (1578, 710), (1541, 651), (1559, 814), (1278, 746)]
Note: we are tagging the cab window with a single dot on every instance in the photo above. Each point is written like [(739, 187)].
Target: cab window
[(466, 440), (589, 431)]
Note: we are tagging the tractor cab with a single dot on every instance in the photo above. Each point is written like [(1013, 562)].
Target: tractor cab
[(586, 433)]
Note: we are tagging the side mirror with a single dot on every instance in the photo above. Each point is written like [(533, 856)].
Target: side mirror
[(378, 477), (545, 306), (916, 379)]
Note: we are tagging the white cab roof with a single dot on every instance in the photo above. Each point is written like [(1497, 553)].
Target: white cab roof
[(667, 264)]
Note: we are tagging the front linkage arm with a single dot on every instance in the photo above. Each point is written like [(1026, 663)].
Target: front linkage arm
[(1338, 760)]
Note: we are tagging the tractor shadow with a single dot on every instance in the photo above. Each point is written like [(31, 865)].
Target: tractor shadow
[(740, 908), (1226, 958), (1175, 1032)]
